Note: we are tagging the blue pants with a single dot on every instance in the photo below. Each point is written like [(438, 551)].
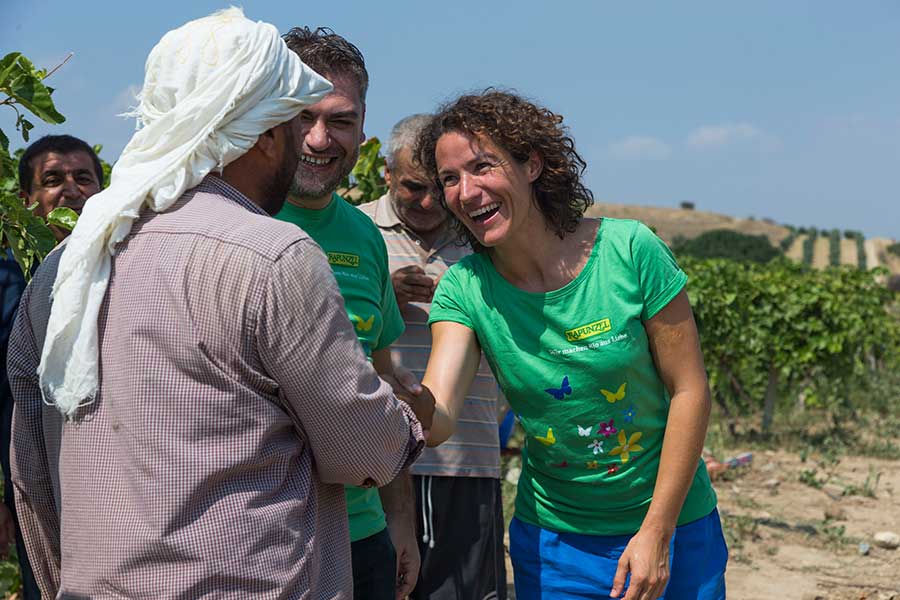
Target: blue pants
[(548, 564)]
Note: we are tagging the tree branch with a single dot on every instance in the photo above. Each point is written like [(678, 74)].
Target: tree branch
[(56, 68)]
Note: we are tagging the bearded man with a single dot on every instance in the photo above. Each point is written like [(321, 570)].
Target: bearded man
[(193, 444), (382, 526)]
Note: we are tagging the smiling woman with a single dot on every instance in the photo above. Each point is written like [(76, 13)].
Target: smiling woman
[(588, 329), (511, 128)]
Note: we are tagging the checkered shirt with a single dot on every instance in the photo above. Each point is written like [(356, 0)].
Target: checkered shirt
[(234, 403)]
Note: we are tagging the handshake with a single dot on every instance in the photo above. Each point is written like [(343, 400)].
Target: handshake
[(417, 396)]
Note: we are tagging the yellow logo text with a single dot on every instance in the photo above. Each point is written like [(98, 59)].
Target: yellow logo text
[(343, 259), (589, 330)]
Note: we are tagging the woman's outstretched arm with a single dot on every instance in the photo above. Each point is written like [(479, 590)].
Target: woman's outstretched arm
[(454, 359)]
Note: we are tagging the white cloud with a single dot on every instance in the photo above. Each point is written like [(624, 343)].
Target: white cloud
[(640, 147), (716, 136)]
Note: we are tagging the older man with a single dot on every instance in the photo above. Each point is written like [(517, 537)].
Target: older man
[(209, 398), (382, 530), (54, 171), (457, 484)]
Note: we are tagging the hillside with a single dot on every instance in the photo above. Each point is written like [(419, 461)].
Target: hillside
[(672, 222)]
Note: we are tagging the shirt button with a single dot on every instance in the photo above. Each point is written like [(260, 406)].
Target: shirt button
[(115, 426)]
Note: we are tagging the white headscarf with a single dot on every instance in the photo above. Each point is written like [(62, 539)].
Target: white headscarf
[(211, 88)]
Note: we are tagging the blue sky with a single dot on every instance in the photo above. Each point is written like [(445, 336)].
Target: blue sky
[(786, 110)]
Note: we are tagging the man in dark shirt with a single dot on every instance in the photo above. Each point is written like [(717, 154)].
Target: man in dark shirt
[(56, 170)]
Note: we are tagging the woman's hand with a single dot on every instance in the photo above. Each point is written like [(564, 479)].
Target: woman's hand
[(675, 346), (646, 557)]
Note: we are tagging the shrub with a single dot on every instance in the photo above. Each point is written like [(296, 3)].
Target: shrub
[(724, 243), (788, 241), (782, 327), (834, 247), (809, 244)]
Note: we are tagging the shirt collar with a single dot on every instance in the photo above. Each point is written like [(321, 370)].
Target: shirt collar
[(213, 184), (385, 215), (386, 218)]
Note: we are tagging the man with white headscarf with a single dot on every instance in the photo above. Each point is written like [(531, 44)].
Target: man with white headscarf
[(174, 436)]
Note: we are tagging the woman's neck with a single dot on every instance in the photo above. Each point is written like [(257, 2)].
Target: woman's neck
[(539, 261)]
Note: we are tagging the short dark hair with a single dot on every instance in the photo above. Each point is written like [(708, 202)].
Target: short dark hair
[(327, 53), (63, 144), (519, 127)]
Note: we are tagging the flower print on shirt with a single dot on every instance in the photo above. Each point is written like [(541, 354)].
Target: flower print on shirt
[(592, 464), (612, 469), (629, 413), (606, 429), (547, 440), (625, 448), (597, 445)]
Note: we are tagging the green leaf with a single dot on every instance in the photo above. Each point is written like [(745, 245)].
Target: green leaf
[(4, 142), (24, 126), (42, 238), (28, 90), (8, 66), (63, 217), (23, 258)]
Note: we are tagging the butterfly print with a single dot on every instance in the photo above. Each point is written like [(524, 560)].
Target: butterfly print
[(613, 397), (563, 390)]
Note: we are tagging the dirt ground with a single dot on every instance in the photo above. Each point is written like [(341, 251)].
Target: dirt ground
[(784, 545), (781, 543)]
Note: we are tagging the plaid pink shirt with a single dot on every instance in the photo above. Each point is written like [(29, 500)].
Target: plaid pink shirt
[(234, 403)]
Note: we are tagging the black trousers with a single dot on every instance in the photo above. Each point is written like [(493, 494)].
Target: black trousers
[(374, 567), (460, 539)]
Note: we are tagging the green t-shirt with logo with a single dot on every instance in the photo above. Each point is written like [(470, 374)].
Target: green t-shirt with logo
[(576, 367), (358, 258)]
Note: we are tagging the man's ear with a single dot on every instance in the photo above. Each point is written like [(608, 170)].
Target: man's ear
[(362, 125), (534, 166), (387, 176), (267, 142)]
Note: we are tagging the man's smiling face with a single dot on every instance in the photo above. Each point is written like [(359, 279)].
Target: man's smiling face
[(61, 179), (328, 135)]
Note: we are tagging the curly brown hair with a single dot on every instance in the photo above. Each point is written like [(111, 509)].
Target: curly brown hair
[(519, 127)]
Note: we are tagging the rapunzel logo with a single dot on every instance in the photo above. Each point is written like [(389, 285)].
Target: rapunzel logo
[(343, 259), (589, 330)]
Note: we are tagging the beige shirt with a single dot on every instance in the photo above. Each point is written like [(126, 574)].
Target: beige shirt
[(234, 404), (474, 450)]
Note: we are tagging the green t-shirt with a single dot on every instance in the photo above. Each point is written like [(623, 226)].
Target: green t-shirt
[(358, 258), (576, 367)]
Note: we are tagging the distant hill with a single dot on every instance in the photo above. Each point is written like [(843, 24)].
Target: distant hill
[(672, 222)]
